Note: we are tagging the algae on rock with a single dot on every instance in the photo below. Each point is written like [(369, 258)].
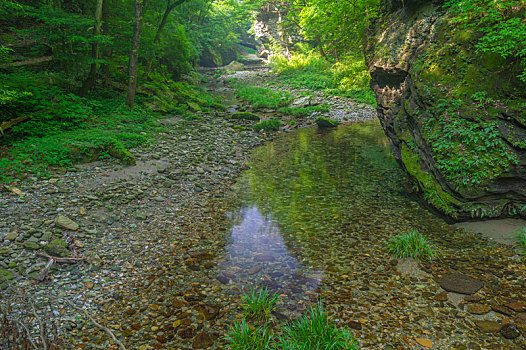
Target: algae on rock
[(456, 118)]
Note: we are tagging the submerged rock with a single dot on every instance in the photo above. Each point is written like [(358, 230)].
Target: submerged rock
[(460, 283)]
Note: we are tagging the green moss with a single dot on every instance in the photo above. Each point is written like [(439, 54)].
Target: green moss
[(326, 122), (432, 189), (58, 248), (245, 116)]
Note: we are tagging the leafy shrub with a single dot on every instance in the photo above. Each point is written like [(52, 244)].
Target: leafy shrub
[(348, 77), (314, 331), (500, 23), (411, 245), (268, 125)]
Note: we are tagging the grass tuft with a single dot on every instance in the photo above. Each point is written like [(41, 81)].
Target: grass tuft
[(314, 331), (259, 303), (411, 245), (243, 336), (268, 125)]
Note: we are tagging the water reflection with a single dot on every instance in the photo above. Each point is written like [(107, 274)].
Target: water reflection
[(306, 201), (258, 256)]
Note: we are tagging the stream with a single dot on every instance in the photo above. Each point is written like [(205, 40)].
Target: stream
[(309, 221)]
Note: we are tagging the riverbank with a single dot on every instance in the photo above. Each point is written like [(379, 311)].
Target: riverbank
[(129, 218)]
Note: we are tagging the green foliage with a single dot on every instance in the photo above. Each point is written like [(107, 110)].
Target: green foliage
[(411, 245), (268, 125), (348, 77), (314, 331), (500, 24), (468, 153), (260, 97), (258, 304), (243, 336), (304, 111), (112, 128)]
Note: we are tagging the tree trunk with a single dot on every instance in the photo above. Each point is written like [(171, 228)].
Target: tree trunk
[(134, 54), (169, 7), (89, 83)]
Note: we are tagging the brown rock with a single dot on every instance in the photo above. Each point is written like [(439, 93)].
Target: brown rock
[(208, 312), (460, 283), (223, 279), (478, 309), (441, 296), (501, 310), (473, 298), (517, 307), (488, 326), (186, 333), (510, 331), (203, 341), (354, 325)]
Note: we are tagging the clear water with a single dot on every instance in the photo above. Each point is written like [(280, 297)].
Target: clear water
[(308, 201)]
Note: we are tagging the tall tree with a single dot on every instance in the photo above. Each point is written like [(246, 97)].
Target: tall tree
[(89, 83), (134, 54), (170, 5)]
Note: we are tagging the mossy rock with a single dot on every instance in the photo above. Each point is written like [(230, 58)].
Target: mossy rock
[(6, 275), (58, 248), (246, 116), (326, 122), (122, 154)]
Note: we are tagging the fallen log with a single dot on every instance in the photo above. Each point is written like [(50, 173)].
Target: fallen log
[(9, 124), (30, 62)]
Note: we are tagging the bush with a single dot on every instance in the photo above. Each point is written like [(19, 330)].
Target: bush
[(304, 111), (268, 125), (411, 245), (349, 77)]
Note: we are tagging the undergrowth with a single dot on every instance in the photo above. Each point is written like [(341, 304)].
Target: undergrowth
[(260, 97), (349, 77), (304, 111), (521, 242), (64, 128)]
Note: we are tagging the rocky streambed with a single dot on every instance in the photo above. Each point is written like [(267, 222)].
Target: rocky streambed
[(172, 242)]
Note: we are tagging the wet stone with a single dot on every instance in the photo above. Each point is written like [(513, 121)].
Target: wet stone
[(510, 331), (478, 309), (460, 283), (66, 223), (488, 326), (517, 306), (202, 341)]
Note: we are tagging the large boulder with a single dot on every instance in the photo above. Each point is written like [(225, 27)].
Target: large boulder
[(456, 117)]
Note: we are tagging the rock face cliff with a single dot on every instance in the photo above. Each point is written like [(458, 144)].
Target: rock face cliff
[(456, 117)]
